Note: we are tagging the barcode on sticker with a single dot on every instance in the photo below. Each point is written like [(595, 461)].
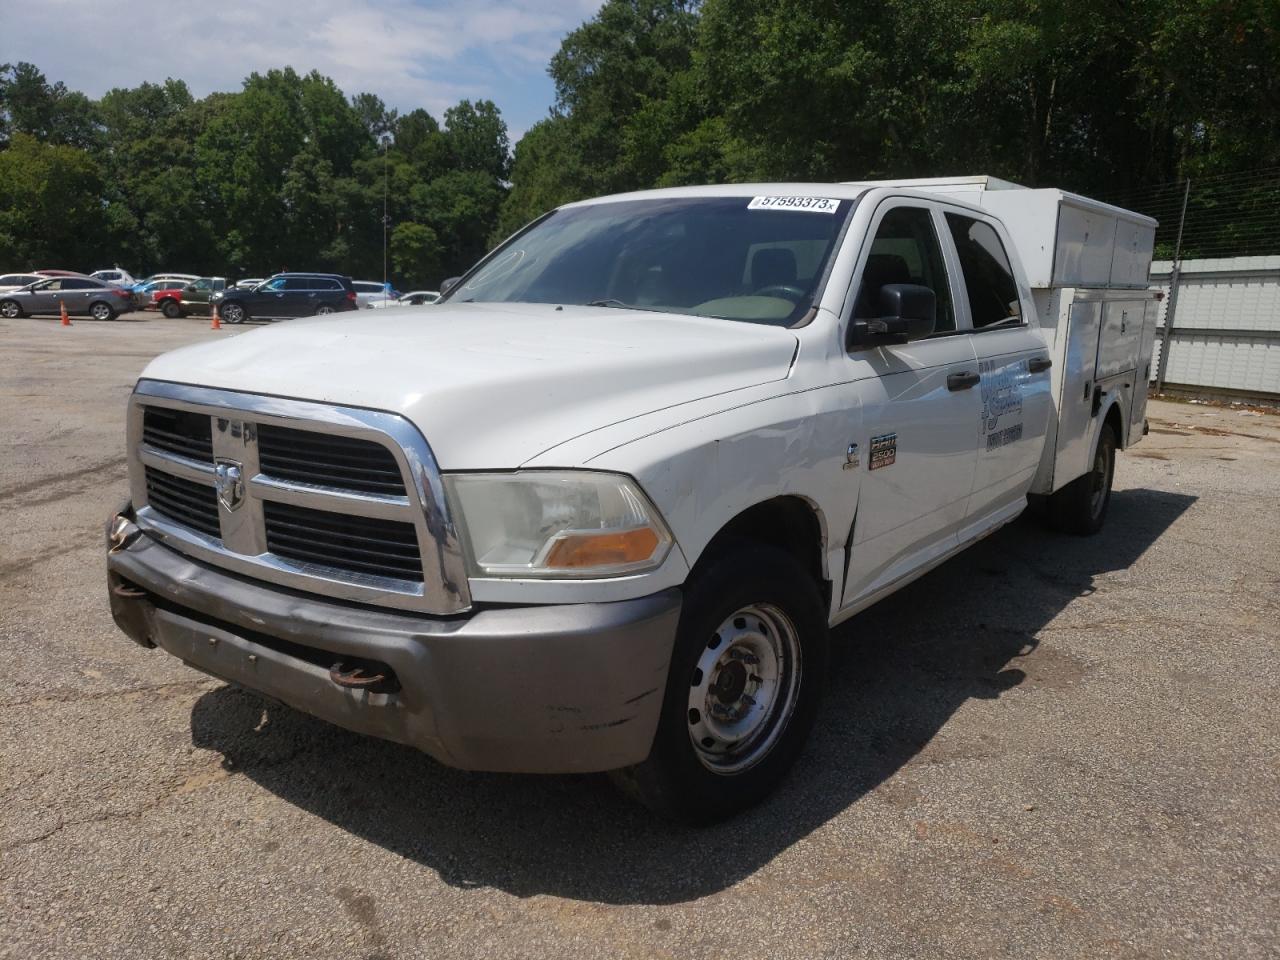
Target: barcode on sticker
[(804, 204)]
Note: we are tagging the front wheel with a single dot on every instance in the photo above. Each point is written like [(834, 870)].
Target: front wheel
[(10, 310), (230, 312), (1081, 506), (171, 309), (101, 311), (743, 688)]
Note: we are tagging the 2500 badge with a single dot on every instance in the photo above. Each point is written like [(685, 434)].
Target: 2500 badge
[(884, 451)]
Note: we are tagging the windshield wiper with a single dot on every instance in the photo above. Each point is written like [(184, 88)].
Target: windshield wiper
[(607, 302)]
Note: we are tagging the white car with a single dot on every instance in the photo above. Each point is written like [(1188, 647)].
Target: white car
[(416, 298), (15, 281), (373, 293), (599, 510), (115, 276)]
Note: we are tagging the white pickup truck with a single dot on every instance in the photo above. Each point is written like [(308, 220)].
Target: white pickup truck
[(598, 509)]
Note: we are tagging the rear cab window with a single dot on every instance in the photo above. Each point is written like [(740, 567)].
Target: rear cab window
[(990, 286)]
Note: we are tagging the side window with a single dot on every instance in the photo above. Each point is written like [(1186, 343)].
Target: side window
[(202, 284), (906, 250), (988, 277), (52, 285), (301, 283), (276, 284), (76, 284)]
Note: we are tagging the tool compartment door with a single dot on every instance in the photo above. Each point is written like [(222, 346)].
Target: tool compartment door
[(1075, 404)]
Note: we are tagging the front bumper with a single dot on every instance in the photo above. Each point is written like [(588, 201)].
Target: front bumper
[(555, 689)]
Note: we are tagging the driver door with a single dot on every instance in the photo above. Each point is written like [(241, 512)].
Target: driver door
[(916, 452)]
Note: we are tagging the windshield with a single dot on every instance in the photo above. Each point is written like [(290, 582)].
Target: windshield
[(740, 258)]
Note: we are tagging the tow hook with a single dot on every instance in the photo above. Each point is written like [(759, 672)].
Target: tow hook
[(363, 675)]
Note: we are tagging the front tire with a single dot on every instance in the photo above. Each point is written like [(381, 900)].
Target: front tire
[(743, 688), (100, 310), (1081, 506), (10, 309), (171, 309), (231, 312)]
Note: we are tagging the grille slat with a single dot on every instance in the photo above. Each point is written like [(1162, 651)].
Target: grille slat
[(340, 541), (183, 501), (305, 534), (178, 431), (316, 458)]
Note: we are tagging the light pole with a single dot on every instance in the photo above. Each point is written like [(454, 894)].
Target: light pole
[(386, 220)]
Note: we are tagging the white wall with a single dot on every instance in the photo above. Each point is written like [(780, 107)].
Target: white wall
[(1234, 305)]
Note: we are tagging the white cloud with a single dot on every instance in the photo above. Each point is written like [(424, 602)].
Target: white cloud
[(412, 54)]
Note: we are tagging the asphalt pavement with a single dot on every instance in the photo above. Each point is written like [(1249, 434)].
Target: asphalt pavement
[(1049, 747)]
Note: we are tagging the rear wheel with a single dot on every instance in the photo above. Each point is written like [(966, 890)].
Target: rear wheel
[(101, 310), (10, 309), (1081, 506), (743, 687), (323, 310), (231, 312), (169, 307)]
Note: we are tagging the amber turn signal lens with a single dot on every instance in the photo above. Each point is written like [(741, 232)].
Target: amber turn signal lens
[(579, 550)]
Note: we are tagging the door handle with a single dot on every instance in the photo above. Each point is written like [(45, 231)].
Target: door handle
[(1039, 364), (962, 381)]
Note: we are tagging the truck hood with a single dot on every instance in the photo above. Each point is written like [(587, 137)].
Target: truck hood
[(492, 385)]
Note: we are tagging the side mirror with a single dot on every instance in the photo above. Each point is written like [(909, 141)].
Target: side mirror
[(908, 311), (449, 285)]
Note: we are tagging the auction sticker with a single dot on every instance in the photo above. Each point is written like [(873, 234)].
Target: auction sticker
[(802, 204)]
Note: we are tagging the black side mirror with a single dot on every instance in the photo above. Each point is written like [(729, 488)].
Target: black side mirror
[(908, 311), (449, 285)]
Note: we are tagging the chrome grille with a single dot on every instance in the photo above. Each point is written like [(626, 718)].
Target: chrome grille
[(331, 461), (341, 501), (191, 504), (177, 431), (364, 545)]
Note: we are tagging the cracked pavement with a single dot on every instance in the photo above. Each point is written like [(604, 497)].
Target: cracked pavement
[(1047, 747)]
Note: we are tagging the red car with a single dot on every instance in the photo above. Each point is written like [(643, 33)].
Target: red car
[(164, 290)]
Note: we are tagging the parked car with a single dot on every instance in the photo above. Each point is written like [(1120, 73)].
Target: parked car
[(193, 298), (157, 292), (12, 281), (115, 276), (371, 292), (249, 283), (415, 298), (604, 512), (82, 295), (287, 295)]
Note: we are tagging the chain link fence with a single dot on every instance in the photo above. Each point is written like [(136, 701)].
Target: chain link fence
[(1217, 258)]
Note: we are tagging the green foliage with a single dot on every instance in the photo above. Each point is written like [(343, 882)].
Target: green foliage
[(285, 173), (1085, 94)]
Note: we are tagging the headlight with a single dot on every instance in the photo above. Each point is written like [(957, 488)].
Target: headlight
[(569, 523)]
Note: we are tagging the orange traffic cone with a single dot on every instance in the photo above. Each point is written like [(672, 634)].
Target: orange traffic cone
[(217, 324), (66, 320)]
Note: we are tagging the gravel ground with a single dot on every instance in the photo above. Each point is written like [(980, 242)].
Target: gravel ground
[(1050, 747)]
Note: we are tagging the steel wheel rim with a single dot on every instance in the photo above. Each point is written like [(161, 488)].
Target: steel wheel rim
[(10, 310), (100, 311), (232, 313), (744, 688), (324, 311)]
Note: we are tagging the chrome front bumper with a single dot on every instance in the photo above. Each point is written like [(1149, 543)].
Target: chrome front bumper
[(553, 689)]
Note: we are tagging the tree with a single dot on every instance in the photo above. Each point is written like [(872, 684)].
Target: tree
[(51, 211)]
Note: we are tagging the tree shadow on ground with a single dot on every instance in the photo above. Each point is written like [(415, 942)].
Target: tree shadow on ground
[(901, 670)]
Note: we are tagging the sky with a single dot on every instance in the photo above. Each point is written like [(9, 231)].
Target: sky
[(412, 53)]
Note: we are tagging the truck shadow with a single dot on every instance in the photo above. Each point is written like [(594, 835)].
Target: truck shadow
[(902, 669)]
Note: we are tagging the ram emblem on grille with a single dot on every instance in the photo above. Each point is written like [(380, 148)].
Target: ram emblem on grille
[(230, 483)]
